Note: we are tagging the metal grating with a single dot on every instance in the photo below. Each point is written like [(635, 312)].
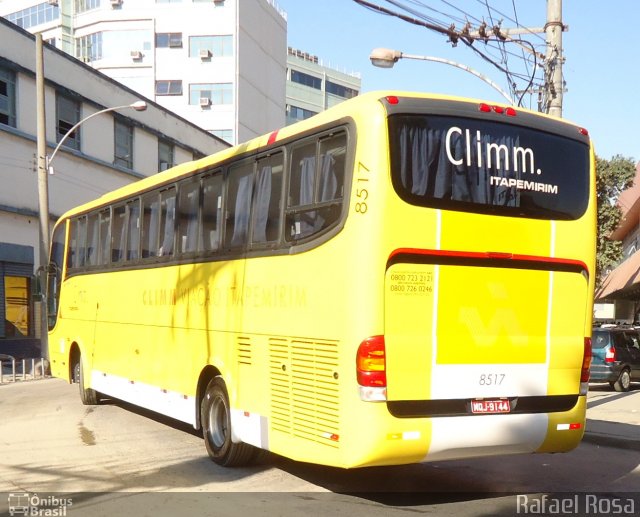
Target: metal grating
[(304, 389)]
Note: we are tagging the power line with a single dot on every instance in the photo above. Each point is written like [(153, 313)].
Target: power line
[(515, 21), (494, 37)]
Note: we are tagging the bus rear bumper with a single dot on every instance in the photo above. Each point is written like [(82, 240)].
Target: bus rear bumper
[(421, 440)]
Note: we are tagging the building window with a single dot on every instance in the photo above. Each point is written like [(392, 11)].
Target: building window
[(225, 134), (294, 113), (340, 90), (169, 40), (86, 5), (306, 79), (67, 116), (16, 303), (123, 155), (36, 15), (217, 93), (7, 97), (89, 48), (217, 46), (166, 152), (169, 87)]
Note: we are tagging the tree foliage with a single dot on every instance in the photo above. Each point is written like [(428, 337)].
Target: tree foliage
[(612, 177)]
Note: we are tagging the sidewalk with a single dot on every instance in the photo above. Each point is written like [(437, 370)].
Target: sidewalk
[(613, 419)]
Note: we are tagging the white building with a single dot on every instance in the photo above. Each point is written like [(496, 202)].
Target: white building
[(313, 87), (108, 151), (219, 63)]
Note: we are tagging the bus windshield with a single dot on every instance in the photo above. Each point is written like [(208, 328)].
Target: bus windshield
[(489, 167)]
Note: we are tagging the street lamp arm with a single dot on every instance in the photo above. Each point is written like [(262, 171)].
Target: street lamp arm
[(386, 58), (138, 106), (465, 68)]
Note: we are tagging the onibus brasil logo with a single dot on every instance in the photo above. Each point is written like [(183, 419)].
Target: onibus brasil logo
[(24, 503)]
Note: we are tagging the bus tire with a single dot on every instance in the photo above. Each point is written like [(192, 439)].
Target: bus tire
[(216, 428), (624, 381), (88, 396)]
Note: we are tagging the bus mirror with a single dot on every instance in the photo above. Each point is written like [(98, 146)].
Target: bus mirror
[(37, 294)]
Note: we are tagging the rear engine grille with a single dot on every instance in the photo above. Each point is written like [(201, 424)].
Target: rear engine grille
[(304, 389)]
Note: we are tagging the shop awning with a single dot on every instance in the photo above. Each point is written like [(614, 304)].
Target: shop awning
[(624, 278)]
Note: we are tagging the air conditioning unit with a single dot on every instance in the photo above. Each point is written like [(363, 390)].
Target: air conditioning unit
[(136, 55), (53, 2), (205, 102), (218, 1), (205, 54), (116, 3)]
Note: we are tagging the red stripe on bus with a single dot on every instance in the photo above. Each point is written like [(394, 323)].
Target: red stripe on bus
[(272, 137), (488, 255)]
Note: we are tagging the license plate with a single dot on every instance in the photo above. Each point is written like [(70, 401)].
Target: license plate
[(490, 406)]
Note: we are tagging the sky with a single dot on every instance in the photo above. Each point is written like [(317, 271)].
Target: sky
[(601, 69)]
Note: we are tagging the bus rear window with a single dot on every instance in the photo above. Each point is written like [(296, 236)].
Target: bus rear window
[(488, 167)]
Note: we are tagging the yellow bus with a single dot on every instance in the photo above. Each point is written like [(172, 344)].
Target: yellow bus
[(402, 278)]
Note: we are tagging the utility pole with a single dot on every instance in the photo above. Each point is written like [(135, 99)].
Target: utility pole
[(43, 194), (554, 58), (551, 93)]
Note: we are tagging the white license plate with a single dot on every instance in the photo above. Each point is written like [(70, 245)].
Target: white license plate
[(490, 406)]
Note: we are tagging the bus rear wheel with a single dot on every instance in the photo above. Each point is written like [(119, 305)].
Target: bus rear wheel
[(216, 428), (88, 396)]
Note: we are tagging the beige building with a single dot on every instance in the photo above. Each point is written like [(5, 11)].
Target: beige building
[(108, 151), (618, 298), (313, 86), (217, 63)]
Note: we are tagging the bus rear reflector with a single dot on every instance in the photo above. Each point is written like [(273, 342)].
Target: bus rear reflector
[(370, 363)]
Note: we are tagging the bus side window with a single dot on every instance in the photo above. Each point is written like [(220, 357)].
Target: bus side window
[(333, 151), (316, 186), (211, 212), (119, 233), (303, 172), (238, 202), (267, 199), (77, 240), (105, 237), (133, 231), (188, 201), (167, 221), (150, 225), (92, 239)]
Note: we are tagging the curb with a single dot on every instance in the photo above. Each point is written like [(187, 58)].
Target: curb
[(608, 440)]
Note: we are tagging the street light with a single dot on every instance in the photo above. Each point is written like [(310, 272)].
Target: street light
[(386, 58), (138, 106)]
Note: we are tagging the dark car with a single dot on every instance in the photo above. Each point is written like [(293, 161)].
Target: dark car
[(615, 356)]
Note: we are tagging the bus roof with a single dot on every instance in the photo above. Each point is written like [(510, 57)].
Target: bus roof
[(348, 108)]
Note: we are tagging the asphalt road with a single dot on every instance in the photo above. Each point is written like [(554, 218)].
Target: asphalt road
[(116, 459)]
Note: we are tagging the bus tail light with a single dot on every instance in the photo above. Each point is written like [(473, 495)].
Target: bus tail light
[(371, 369), (586, 363)]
